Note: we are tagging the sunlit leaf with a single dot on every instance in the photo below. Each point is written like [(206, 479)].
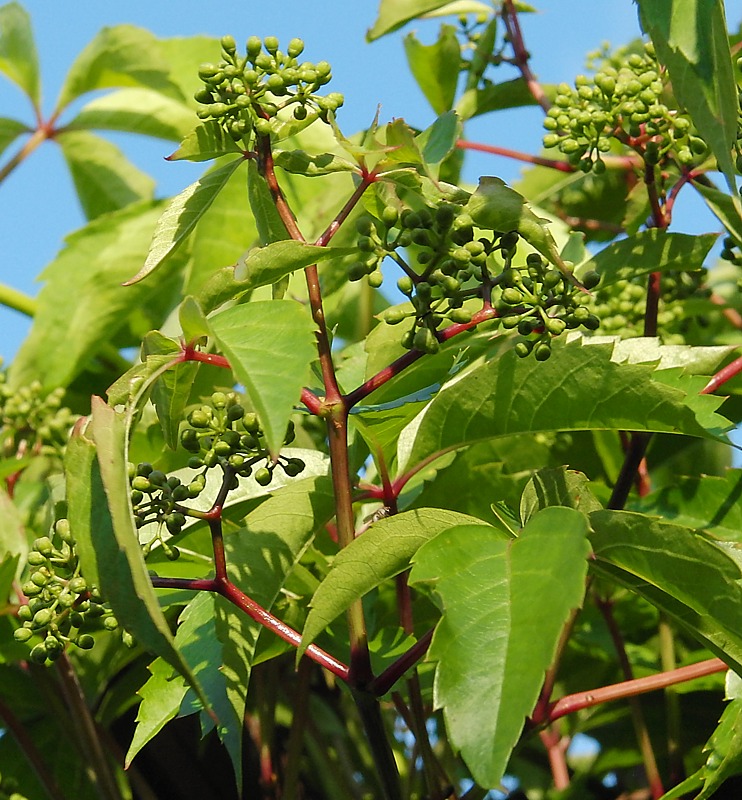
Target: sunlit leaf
[(10, 130), (205, 142), (435, 67), (383, 551), (135, 110), (18, 58), (504, 605), (123, 56), (181, 215), (104, 178), (393, 14), (270, 346)]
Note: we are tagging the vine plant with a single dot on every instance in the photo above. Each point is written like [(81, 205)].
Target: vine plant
[(379, 550)]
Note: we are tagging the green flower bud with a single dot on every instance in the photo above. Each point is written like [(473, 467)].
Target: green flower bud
[(228, 44), (271, 44), (295, 48), (253, 47)]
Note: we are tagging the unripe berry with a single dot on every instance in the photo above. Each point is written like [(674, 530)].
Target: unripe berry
[(542, 351), (590, 279), (263, 476), (38, 654), (85, 642), (426, 341)]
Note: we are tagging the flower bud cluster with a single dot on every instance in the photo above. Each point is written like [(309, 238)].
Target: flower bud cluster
[(218, 433), (60, 604), (541, 304), (625, 100), (9, 789), (32, 422), (447, 261), (245, 93)]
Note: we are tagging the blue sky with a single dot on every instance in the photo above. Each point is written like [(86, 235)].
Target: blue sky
[(39, 206)]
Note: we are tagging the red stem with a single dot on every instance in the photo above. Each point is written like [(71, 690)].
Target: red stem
[(510, 18), (618, 691)]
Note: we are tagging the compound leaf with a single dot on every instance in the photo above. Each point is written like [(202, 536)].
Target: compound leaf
[(383, 551), (270, 345), (504, 602), (724, 750)]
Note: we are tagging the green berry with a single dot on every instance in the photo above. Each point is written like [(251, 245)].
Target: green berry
[(263, 476), (85, 641), (542, 351)]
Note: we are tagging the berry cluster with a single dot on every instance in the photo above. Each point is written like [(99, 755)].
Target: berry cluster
[(245, 94), (541, 304), (624, 101), (622, 305), (453, 263), (60, 604), (218, 433), (731, 251), (31, 422)]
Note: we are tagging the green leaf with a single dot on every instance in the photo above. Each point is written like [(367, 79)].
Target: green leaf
[(270, 345), (653, 250), (161, 696), (18, 57), (172, 390), (579, 388), (691, 40), (124, 579), (223, 235), (435, 67), (495, 206), (724, 750), (497, 97), (724, 207), (104, 178), (267, 219), (459, 7), (707, 503), (505, 603), (82, 304), (119, 56), (181, 216), (679, 571), (205, 142), (438, 141), (87, 508), (557, 487), (135, 110), (393, 14), (300, 162), (384, 550), (10, 130), (8, 573)]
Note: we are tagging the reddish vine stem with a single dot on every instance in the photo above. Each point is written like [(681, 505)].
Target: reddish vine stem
[(255, 611), (512, 24), (569, 704), (556, 752), (26, 745)]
